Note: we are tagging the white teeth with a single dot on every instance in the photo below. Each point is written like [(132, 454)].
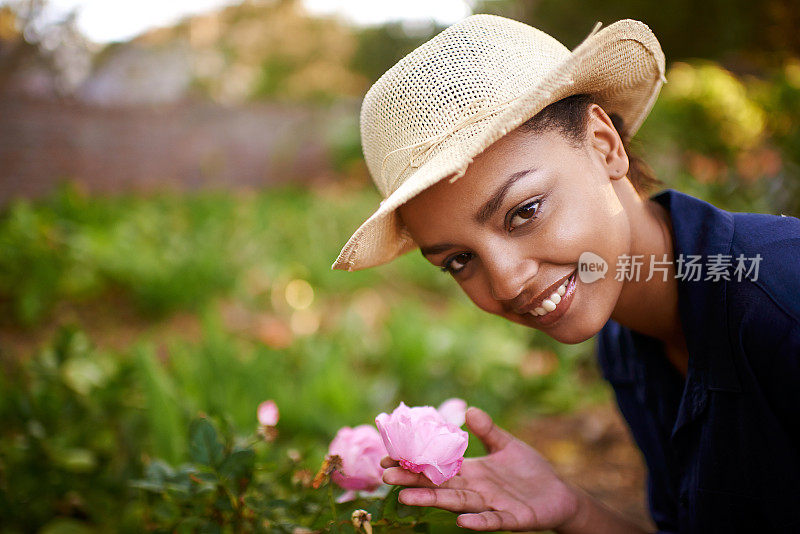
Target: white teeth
[(550, 303)]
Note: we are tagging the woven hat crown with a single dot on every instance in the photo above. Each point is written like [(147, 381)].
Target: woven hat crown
[(475, 66), (439, 107)]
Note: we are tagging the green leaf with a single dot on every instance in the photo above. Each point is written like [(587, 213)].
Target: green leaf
[(204, 445), (178, 490), (76, 460), (395, 511), (239, 465), (189, 525), (83, 375), (210, 528), (159, 471), (278, 503), (413, 513), (204, 490), (433, 515), (374, 507), (185, 482), (191, 472), (65, 526), (165, 420), (223, 504), (165, 511), (147, 485)]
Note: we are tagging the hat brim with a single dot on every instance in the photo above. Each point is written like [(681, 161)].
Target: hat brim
[(622, 66)]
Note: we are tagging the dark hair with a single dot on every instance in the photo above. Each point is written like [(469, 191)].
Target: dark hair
[(570, 116)]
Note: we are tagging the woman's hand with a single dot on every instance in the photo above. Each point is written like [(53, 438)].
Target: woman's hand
[(513, 488)]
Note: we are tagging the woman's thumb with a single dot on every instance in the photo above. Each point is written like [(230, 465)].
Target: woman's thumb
[(492, 436)]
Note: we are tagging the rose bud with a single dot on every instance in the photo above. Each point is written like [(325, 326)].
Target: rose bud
[(268, 413)]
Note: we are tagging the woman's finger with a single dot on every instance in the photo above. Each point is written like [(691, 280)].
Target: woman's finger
[(455, 500), (398, 476), (492, 436), (491, 520), (387, 462)]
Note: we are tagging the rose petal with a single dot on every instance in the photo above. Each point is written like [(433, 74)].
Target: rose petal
[(438, 474), (361, 450), (347, 496), (445, 447)]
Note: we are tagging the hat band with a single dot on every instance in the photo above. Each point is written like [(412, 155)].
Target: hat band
[(421, 151)]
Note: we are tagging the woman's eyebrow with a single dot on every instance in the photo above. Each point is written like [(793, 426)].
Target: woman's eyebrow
[(492, 205), (436, 249)]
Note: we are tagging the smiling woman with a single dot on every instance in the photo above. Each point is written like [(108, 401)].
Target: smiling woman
[(512, 229), (496, 154)]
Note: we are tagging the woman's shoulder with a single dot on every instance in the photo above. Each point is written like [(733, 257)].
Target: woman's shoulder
[(777, 233), (763, 314), (763, 310), (754, 258), (768, 246)]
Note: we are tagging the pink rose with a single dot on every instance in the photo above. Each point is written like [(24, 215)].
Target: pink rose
[(454, 411), (423, 441), (268, 413), (361, 450)]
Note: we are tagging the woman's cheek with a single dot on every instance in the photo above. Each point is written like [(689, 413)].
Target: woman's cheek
[(591, 226), (478, 290), (569, 235)]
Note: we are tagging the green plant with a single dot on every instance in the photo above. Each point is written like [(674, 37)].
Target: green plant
[(251, 485), (68, 443)]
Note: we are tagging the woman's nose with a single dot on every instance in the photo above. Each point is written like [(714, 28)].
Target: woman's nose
[(509, 274)]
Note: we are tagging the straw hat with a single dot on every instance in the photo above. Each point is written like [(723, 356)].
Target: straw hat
[(443, 104)]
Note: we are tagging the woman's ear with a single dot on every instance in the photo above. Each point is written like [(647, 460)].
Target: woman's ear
[(604, 138)]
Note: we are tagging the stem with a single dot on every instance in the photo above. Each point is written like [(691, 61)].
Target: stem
[(334, 525)]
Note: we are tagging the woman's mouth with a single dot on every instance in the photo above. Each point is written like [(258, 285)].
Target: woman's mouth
[(557, 304)]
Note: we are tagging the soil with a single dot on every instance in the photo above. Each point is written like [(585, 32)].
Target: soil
[(593, 449)]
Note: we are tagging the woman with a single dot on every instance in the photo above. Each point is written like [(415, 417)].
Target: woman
[(496, 155)]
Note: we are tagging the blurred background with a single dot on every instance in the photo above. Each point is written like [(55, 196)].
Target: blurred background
[(177, 177)]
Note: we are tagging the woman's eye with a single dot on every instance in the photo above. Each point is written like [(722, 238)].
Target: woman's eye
[(455, 263), (524, 214)]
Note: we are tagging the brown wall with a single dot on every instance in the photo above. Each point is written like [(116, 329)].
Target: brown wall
[(182, 146)]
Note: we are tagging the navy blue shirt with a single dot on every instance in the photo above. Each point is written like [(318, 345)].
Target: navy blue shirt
[(722, 446)]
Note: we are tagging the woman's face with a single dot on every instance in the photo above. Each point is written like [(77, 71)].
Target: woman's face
[(512, 229)]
